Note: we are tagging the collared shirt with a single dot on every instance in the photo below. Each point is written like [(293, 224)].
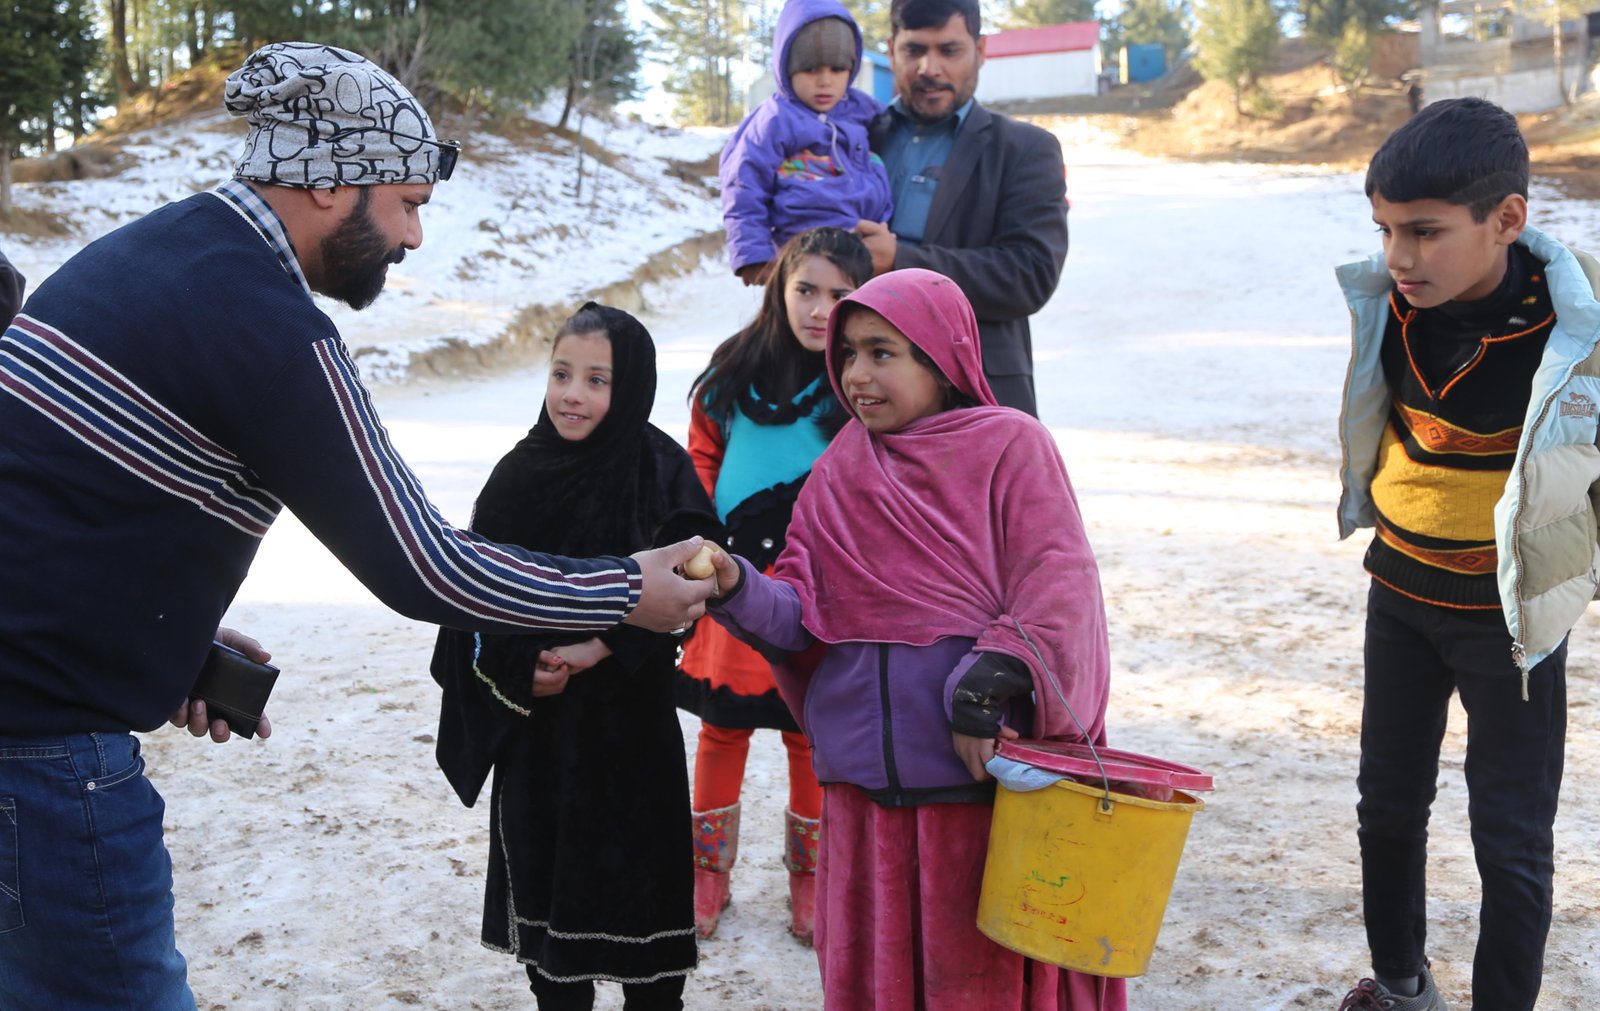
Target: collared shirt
[(915, 155), (249, 205)]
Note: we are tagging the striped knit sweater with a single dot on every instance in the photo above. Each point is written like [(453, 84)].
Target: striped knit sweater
[(162, 396), (1459, 377)]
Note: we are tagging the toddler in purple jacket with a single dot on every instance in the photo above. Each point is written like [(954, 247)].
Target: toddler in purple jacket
[(800, 160)]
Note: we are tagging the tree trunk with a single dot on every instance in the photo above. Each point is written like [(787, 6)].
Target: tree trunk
[(119, 48), (566, 106), (5, 174), (141, 58), (577, 182), (196, 47), (1561, 63)]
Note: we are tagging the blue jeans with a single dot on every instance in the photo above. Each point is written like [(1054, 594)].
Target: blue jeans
[(85, 879), (1417, 655)]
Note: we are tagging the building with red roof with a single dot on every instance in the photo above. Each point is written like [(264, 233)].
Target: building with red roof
[(1050, 61)]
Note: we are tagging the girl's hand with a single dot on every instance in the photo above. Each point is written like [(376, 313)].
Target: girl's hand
[(975, 752), (578, 656), (727, 571), (550, 675)]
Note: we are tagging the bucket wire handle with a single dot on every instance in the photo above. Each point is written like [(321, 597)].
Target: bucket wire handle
[(1105, 778)]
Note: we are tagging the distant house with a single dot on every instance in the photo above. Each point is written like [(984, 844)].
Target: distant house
[(1051, 61)]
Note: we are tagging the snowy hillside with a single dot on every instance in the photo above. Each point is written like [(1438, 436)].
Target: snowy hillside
[(505, 233)]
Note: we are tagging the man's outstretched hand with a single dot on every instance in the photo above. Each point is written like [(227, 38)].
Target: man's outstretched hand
[(669, 601)]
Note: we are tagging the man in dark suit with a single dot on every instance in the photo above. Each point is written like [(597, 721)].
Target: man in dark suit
[(979, 197)]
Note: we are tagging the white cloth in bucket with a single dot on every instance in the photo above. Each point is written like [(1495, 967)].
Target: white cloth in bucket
[(1020, 777)]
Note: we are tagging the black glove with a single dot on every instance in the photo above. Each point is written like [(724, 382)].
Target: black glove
[(980, 696)]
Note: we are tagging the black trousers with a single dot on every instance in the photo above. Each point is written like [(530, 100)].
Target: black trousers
[(1416, 655), (665, 994)]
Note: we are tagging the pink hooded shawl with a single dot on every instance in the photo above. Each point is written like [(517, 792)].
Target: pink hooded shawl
[(962, 523)]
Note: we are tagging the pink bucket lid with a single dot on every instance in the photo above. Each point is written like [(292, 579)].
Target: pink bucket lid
[(1077, 760)]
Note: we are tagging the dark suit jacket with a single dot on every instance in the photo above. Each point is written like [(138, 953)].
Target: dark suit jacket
[(997, 227), (11, 284)]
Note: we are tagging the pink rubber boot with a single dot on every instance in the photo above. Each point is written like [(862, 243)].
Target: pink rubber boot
[(716, 847), (800, 856)]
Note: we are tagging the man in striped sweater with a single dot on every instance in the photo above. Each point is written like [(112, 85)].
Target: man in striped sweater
[(162, 396)]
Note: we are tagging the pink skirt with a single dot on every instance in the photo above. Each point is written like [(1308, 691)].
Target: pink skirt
[(897, 910)]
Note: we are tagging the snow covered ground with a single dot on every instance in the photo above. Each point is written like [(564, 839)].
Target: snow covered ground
[(1190, 367)]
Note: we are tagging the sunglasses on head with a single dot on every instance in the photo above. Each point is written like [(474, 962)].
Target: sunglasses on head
[(449, 150)]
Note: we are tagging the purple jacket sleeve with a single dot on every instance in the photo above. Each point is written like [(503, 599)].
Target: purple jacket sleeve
[(749, 173), (764, 614)]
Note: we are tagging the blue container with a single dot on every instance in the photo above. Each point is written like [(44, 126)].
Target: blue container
[(876, 79), (1144, 62)]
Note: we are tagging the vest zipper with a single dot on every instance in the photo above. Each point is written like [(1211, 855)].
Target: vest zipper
[(1519, 652)]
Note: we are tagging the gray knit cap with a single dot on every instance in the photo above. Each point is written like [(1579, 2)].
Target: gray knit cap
[(825, 42), (322, 117)]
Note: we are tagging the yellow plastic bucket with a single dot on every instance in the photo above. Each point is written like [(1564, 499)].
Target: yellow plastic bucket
[(1079, 877)]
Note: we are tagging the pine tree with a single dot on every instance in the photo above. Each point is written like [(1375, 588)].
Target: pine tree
[(1234, 41), (1148, 22), (30, 77), (504, 51), (81, 90), (1352, 57), (1027, 13), (872, 17), (701, 41), (604, 67), (1325, 21)]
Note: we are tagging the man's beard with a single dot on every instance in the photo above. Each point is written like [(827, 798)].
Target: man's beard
[(355, 258), (928, 119)]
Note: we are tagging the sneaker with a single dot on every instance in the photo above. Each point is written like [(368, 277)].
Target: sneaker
[(1370, 995)]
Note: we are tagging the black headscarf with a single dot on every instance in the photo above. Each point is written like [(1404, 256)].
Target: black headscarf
[(593, 497)]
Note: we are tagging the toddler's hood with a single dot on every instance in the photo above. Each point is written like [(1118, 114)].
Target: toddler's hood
[(796, 14)]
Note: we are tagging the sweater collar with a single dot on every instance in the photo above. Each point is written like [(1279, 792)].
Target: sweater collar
[(249, 205)]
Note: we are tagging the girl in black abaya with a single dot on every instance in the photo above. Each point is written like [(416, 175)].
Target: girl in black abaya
[(589, 873)]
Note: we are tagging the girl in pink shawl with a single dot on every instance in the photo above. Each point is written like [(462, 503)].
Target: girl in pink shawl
[(936, 547)]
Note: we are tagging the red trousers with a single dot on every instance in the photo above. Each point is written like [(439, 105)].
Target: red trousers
[(719, 770)]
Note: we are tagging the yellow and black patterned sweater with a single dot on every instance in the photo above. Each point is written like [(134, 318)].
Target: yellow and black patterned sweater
[(1459, 378)]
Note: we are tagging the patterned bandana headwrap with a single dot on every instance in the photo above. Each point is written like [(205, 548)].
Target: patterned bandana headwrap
[(322, 117)]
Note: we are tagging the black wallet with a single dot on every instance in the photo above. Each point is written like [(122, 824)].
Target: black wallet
[(234, 688)]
